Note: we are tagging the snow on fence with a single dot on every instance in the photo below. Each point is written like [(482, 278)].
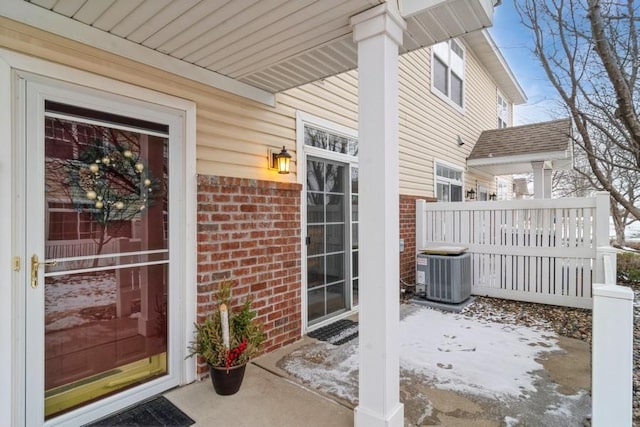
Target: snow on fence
[(543, 250)]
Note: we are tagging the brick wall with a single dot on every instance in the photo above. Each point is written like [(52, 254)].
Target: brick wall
[(249, 231), (408, 233)]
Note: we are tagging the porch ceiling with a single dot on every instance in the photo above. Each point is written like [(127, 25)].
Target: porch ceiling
[(272, 45)]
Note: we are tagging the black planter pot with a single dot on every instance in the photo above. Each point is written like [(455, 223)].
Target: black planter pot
[(227, 381)]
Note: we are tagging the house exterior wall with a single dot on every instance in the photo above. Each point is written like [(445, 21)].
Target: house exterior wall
[(408, 234), (249, 232), (233, 135), (334, 99), (426, 136), (237, 194)]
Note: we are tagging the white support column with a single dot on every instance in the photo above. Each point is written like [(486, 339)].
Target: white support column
[(378, 33), (547, 182), (538, 180), (612, 356)]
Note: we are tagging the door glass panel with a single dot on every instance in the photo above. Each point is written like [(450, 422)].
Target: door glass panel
[(334, 178), (315, 237), (315, 271), (335, 267), (356, 300), (335, 208), (354, 236), (335, 298), (443, 192), (315, 301), (315, 176), (326, 236), (456, 193), (106, 227), (354, 265), (354, 209), (335, 238), (315, 207)]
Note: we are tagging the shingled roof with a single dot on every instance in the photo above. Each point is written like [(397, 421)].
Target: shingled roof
[(513, 150), (542, 137)]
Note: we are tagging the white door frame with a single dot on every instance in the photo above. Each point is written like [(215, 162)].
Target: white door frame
[(14, 69), (305, 151)]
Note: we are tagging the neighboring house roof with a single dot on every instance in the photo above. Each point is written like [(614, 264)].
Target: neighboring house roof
[(511, 150), (246, 48)]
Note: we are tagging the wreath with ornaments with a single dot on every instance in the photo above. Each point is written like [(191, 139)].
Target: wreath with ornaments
[(112, 182)]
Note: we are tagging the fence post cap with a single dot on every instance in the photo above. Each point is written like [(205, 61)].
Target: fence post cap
[(612, 291), (609, 248)]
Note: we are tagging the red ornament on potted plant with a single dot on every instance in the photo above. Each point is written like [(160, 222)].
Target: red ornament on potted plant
[(227, 340)]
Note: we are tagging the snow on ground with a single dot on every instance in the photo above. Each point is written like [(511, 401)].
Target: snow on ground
[(65, 297), (328, 368), (451, 351), (461, 354)]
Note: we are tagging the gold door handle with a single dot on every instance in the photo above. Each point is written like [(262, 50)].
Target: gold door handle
[(35, 263)]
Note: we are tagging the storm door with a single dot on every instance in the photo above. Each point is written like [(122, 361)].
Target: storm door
[(97, 255)]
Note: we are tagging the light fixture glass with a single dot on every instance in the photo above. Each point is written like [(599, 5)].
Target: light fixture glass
[(471, 194), (282, 161)]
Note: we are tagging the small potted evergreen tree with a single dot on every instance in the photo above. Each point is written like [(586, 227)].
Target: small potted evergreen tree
[(227, 340)]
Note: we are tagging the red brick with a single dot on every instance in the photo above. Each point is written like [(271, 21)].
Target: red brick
[(251, 229)]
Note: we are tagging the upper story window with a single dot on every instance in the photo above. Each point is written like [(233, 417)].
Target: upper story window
[(503, 112), (448, 71), (448, 183)]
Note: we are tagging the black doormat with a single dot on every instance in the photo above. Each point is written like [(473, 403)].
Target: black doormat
[(338, 332), (158, 412)]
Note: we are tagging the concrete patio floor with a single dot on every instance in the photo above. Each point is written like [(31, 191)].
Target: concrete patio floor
[(265, 399), (271, 396)]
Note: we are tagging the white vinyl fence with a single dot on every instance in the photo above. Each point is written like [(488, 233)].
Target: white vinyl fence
[(543, 250)]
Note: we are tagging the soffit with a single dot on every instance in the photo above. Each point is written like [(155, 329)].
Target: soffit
[(272, 45)]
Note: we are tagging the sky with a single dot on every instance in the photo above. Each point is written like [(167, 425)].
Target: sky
[(515, 42)]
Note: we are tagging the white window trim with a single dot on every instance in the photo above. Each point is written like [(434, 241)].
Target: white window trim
[(437, 92), (450, 165), (500, 95), (12, 362), (303, 119)]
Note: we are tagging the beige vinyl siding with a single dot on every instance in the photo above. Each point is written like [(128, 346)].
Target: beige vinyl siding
[(233, 133), (334, 99), (429, 126)]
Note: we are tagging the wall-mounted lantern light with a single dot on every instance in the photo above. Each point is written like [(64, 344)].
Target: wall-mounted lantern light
[(493, 196), (471, 194), (280, 161)]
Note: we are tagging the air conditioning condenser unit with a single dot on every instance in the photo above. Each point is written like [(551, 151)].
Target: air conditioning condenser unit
[(444, 278)]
